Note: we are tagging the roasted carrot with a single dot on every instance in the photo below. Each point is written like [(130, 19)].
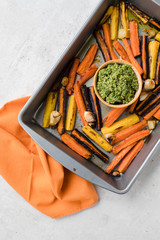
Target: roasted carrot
[(141, 15), (120, 50), (62, 110), (157, 114), (102, 46), (134, 38), (128, 131), (87, 75), (118, 158), (152, 110), (133, 106), (158, 70), (88, 104), (72, 75), (85, 141), (131, 139), (80, 103), (75, 146), (92, 134), (145, 57), (131, 57), (112, 116), (87, 60), (145, 102), (107, 39), (153, 48), (150, 105), (154, 23), (130, 156), (96, 108)]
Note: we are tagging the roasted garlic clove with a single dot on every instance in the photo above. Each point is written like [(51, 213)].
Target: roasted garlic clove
[(54, 118), (64, 81), (89, 117), (151, 124), (143, 96), (149, 84)]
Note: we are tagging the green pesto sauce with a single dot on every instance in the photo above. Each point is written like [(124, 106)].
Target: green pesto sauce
[(117, 83)]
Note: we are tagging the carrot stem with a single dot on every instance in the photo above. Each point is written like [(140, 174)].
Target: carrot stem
[(87, 60), (130, 156), (72, 75), (131, 139)]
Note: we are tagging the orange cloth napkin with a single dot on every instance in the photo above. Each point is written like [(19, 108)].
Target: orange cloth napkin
[(36, 176)]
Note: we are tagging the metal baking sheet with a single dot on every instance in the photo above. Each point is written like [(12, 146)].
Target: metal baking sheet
[(32, 114)]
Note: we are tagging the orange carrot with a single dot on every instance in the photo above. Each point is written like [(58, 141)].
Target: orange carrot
[(131, 139), (107, 39), (132, 107), (96, 108), (87, 75), (128, 131), (102, 46), (134, 38), (158, 70), (75, 146), (120, 50), (153, 111), (157, 115), (118, 158), (130, 156), (80, 103), (72, 75), (145, 56), (62, 110), (112, 116), (87, 60), (85, 141), (131, 57)]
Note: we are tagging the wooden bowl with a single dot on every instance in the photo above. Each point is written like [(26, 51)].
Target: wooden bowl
[(140, 83)]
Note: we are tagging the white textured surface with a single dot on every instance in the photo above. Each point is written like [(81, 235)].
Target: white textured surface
[(33, 35)]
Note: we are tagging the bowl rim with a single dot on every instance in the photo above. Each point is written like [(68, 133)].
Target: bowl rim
[(139, 78)]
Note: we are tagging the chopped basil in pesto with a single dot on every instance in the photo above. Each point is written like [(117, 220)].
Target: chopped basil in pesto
[(117, 83)]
